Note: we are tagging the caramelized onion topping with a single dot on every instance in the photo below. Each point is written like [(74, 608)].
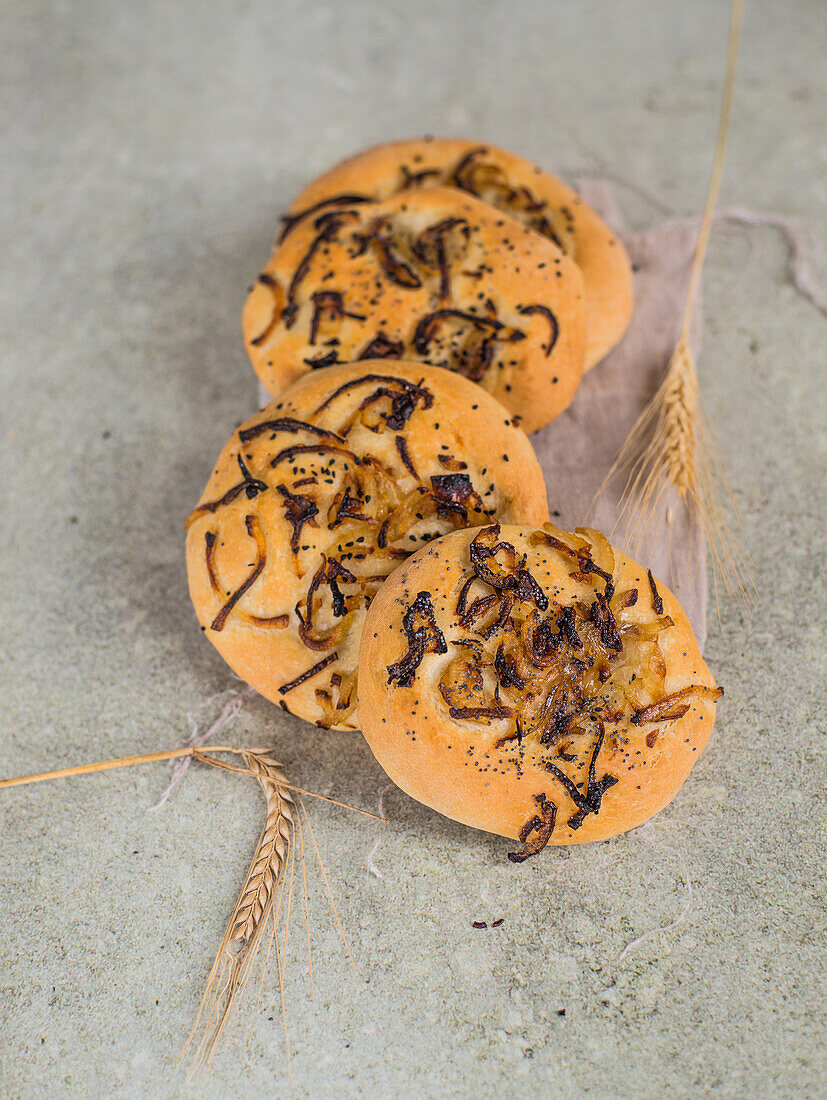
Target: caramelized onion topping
[(542, 824), (442, 245), (327, 226), (590, 802), (672, 707), (286, 424), (254, 531), (385, 247), (298, 511), (564, 678), (657, 602), (424, 636), (290, 221), (480, 712), (411, 389), (313, 671), (328, 305), (382, 347), (554, 327)]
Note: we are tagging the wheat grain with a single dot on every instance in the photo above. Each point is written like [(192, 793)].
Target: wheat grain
[(271, 851), (241, 940)]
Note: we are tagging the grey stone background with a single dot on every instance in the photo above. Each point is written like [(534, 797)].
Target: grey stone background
[(147, 149)]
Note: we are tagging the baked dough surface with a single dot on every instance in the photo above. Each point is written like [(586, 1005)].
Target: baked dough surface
[(318, 497), (514, 185), (569, 692), (430, 275)]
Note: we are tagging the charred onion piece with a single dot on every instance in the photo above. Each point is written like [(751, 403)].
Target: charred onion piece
[(268, 622), (286, 424), (346, 507), (462, 175), (506, 670), (328, 305), (312, 448), (428, 327), (542, 824), (419, 393), (298, 511), (382, 347), (483, 552), (289, 221), (433, 245), (254, 531), (320, 361), (328, 226), (330, 572), (582, 555), (480, 712), (558, 720), (451, 463), (317, 668), (552, 321), (671, 708), (250, 485), (381, 241), (590, 802), (462, 601), (404, 454), (424, 636), (345, 703), (657, 602), (604, 620), (403, 406), (454, 493), (477, 608), (413, 179)]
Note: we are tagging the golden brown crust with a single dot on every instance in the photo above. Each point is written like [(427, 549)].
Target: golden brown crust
[(619, 715), (354, 468), (541, 201), (435, 276)]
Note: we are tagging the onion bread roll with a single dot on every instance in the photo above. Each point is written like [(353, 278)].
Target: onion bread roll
[(514, 185), (434, 276), (533, 683), (318, 497)]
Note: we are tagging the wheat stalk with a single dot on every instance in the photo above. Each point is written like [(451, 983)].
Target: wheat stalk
[(670, 451), (242, 937)]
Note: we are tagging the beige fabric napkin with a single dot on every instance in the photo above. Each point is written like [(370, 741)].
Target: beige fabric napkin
[(577, 450)]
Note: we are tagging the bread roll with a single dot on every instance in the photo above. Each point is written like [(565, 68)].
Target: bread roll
[(318, 497), (514, 185), (533, 683), (429, 275)]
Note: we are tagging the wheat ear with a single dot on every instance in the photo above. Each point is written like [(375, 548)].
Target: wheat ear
[(670, 446), (242, 937)]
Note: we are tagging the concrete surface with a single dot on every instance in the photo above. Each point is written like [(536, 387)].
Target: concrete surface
[(146, 152)]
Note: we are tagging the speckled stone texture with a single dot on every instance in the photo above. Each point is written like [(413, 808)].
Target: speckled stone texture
[(146, 152)]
